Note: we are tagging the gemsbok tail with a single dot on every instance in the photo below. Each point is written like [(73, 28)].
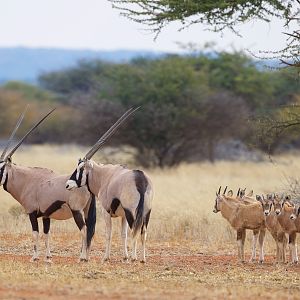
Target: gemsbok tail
[(141, 183), (91, 220)]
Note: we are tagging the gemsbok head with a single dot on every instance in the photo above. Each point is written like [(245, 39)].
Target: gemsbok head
[(6, 159), (279, 201), (219, 198), (266, 202)]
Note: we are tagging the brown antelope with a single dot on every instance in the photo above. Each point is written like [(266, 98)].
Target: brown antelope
[(247, 199), (122, 192), (42, 193), (241, 217), (284, 211), (274, 226)]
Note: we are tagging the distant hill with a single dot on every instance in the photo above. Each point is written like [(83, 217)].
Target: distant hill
[(25, 64)]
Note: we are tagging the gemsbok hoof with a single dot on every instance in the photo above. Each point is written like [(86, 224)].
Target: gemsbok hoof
[(143, 261), (83, 260), (133, 259), (33, 259), (48, 259), (261, 261)]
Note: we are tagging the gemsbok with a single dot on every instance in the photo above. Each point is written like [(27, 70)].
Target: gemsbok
[(241, 217), (274, 226), (122, 192), (42, 193), (284, 211)]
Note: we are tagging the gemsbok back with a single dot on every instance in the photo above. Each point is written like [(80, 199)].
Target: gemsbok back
[(122, 192), (42, 193)]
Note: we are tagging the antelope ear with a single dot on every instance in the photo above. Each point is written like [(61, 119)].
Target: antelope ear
[(230, 193), (269, 196), (250, 194), (258, 198), (287, 198)]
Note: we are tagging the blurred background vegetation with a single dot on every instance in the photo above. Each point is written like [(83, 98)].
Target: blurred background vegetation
[(190, 105)]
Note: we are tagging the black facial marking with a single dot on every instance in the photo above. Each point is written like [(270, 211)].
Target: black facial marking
[(114, 206), (46, 225), (129, 217), (53, 208), (78, 218), (33, 220), (5, 183), (1, 172)]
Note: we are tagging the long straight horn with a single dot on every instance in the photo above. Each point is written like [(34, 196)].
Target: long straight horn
[(238, 193), (110, 132), (14, 132), (225, 190), (219, 190), (26, 135)]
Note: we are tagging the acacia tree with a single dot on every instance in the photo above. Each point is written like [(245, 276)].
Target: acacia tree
[(218, 15)]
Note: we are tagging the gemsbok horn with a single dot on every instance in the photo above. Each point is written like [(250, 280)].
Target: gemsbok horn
[(123, 193)]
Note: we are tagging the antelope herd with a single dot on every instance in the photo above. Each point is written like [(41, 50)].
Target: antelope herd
[(276, 213), (128, 194)]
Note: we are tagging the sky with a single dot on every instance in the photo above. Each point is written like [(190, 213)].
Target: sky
[(94, 24)]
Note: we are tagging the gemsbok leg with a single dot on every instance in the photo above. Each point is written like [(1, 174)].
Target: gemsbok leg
[(46, 227), (35, 234), (293, 247), (241, 235), (254, 242), (124, 235), (79, 220), (108, 234), (261, 239)]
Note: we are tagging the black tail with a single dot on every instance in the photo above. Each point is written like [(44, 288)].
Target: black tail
[(141, 183), (91, 221)]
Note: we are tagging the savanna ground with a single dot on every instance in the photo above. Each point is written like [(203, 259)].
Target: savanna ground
[(191, 251)]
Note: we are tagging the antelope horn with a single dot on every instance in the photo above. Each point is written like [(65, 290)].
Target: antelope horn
[(26, 135), (13, 133), (109, 132), (219, 190), (238, 193), (225, 190)]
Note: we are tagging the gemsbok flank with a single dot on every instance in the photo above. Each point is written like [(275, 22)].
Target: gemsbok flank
[(241, 217), (122, 192), (274, 226), (42, 193)]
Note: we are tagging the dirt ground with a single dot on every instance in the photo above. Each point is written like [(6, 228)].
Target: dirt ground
[(177, 271)]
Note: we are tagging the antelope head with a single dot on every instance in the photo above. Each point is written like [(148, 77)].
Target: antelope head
[(219, 199), (266, 203), (279, 201), (296, 210), (5, 159), (80, 176)]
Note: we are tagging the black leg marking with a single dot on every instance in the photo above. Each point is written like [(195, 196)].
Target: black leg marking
[(33, 221), (53, 208), (147, 218), (46, 225), (78, 218), (129, 217), (114, 205)]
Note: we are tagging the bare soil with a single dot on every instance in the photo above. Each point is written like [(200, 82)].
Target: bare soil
[(173, 271)]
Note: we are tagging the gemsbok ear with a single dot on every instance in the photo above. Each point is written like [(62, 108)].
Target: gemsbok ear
[(287, 198), (258, 198), (250, 194), (230, 193)]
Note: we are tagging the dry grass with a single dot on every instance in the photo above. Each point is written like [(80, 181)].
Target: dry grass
[(182, 224)]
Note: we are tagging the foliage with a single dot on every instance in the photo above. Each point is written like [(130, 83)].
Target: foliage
[(217, 16), (189, 103)]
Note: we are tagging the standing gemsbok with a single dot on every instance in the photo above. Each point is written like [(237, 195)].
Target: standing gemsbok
[(42, 193), (122, 192)]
